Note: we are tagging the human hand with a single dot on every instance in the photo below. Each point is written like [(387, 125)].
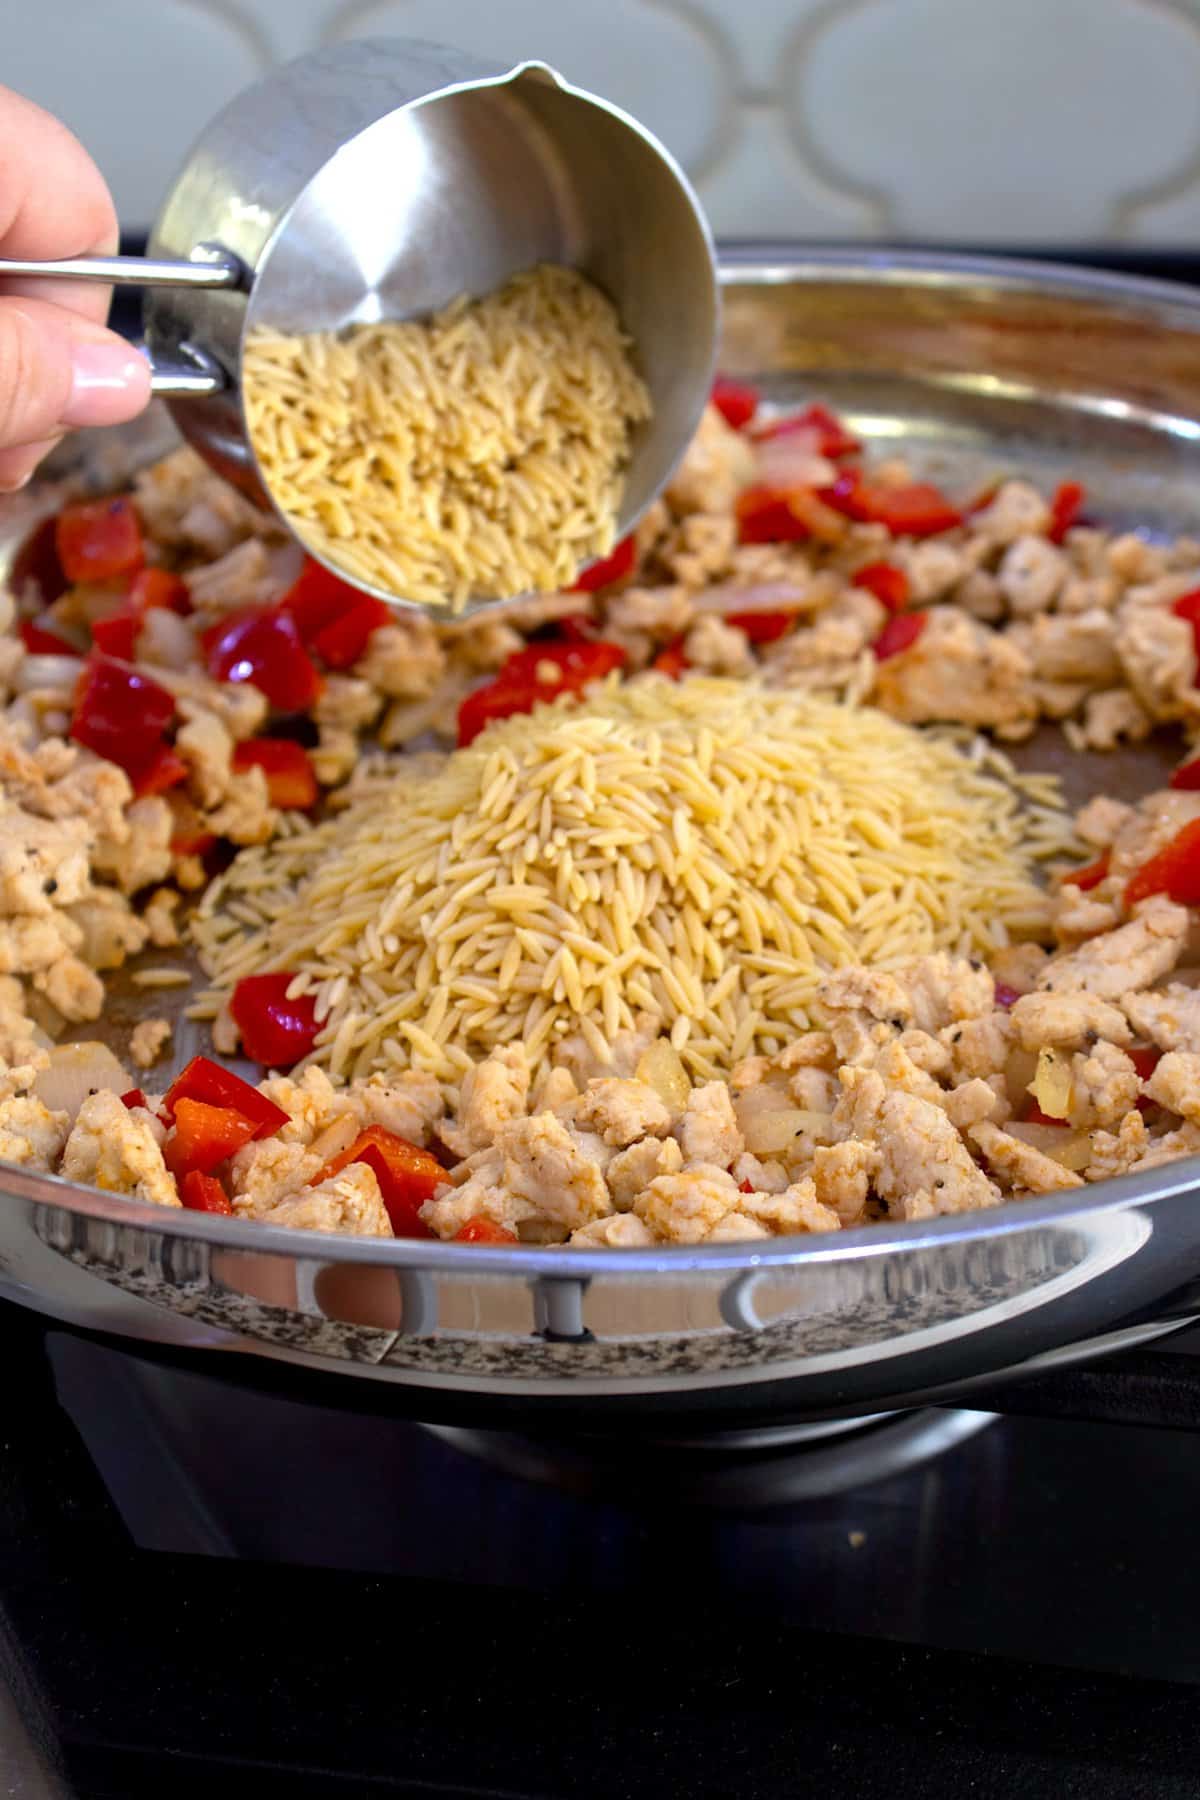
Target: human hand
[(59, 367)]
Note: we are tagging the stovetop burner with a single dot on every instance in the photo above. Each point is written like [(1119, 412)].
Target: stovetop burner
[(745, 1469)]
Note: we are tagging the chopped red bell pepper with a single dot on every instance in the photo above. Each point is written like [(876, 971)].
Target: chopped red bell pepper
[(850, 496), (1090, 876), (1145, 1059), (1187, 775), (762, 627), (1005, 996), (829, 436), (115, 635), (206, 1080), (134, 1097), (835, 439), (745, 1187), (886, 581), (1188, 607), (1174, 871), (613, 567), (671, 660), (196, 843), (767, 515), (123, 715), (577, 665), (1065, 506), (40, 642), (407, 1175), (916, 509), (899, 634), (291, 779), (344, 639), (97, 539), (165, 769), (275, 1031), (736, 401), (576, 628), (525, 678), (203, 1193), (36, 564), (204, 1136), (261, 644), (158, 587), (484, 1231), (317, 597)]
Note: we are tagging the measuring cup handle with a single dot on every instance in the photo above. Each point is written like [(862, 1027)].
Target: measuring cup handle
[(187, 373), (212, 269)]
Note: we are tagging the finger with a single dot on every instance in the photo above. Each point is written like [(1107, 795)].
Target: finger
[(58, 371), (53, 203), (18, 465)]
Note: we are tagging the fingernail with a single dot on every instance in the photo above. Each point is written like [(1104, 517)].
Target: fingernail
[(110, 383)]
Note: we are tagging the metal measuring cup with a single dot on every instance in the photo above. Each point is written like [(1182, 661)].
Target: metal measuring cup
[(382, 178)]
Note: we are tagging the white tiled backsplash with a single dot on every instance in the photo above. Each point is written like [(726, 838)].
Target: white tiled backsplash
[(1028, 121)]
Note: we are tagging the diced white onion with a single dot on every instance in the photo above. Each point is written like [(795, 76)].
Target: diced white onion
[(77, 1070), (166, 639), (1052, 1085), (1045, 1138), (1070, 1149), (792, 461), (1075, 1152), (660, 1068), (48, 672), (769, 1122), (773, 1132), (765, 596)]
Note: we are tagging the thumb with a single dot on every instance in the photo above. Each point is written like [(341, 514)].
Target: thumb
[(58, 371)]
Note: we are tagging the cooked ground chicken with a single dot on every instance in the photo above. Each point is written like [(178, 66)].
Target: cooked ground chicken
[(931, 1086)]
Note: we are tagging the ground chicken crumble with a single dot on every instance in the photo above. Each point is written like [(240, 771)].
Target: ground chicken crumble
[(934, 1088)]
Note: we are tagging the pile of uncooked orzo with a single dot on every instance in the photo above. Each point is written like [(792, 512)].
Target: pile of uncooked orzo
[(696, 855), (477, 455)]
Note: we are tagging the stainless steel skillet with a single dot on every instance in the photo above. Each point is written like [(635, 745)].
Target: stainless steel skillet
[(971, 368)]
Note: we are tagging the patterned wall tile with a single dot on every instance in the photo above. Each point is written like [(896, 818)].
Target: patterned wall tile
[(619, 48), (760, 189), (1172, 219), (135, 79), (1018, 120), (761, 29), (1033, 119)]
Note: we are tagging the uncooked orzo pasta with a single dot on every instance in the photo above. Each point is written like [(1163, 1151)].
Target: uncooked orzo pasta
[(477, 455), (696, 855)]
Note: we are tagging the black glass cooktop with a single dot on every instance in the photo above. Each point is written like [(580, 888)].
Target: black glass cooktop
[(202, 1583)]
